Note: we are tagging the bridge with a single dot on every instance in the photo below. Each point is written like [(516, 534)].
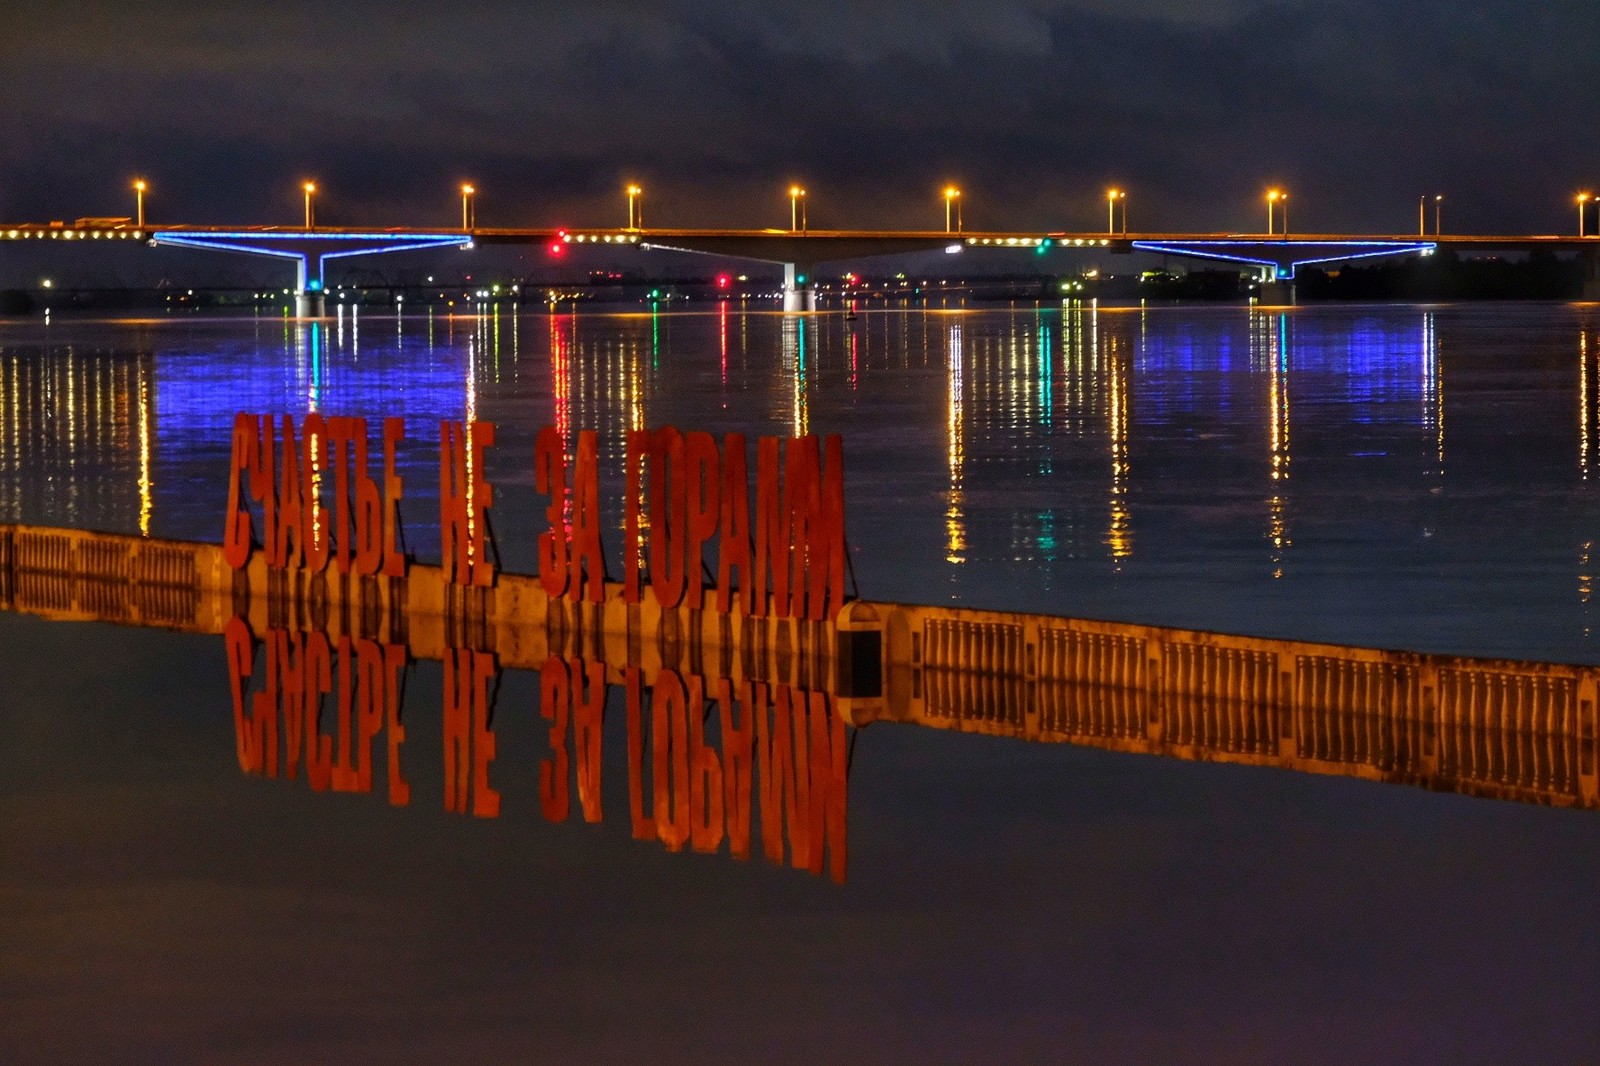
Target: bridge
[(1274, 256)]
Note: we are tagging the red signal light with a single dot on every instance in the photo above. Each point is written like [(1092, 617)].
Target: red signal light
[(723, 281), (557, 248)]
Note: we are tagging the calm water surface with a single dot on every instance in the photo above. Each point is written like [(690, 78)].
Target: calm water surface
[(1397, 476)]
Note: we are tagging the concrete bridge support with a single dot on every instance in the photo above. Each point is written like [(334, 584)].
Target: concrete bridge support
[(309, 299), (1591, 275), (1276, 288), (799, 287)]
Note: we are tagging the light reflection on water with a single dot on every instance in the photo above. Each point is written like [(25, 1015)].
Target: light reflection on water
[(1408, 476), (1397, 475)]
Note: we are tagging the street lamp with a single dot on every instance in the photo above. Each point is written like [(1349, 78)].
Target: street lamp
[(1112, 196), (1422, 202), (468, 216), (635, 215), (1438, 209), (1275, 197), (797, 208), (952, 196), (139, 188), (310, 188), (1583, 198)]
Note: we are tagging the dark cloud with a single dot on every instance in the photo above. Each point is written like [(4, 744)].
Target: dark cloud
[(716, 107)]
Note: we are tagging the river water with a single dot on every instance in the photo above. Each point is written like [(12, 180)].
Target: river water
[(1414, 477)]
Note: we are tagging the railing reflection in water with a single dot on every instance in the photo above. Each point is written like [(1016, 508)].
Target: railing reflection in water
[(729, 733), (1510, 730)]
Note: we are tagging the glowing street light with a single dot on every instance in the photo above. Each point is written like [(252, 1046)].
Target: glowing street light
[(310, 188), (797, 208), (139, 187), (1422, 216), (1112, 197), (1583, 198), (1274, 198), (952, 197), (1438, 210), (468, 216), (635, 213)]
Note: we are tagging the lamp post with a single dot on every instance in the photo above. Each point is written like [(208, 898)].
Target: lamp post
[(1274, 198), (468, 216), (1583, 198), (952, 196), (1422, 216), (1438, 211), (310, 188), (635, 215), (139, 187), (1112, 196), (797, 208)]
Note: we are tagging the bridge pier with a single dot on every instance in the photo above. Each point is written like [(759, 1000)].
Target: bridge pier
[(1591, 275), (1276, 292), (799, 288)]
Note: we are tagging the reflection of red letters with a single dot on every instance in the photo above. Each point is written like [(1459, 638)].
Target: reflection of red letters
[(369, 708), (344, 771), (588, 721), (469, 741), (555, 695), (457, 729), (318, 665), (264, 727), (669, 771), (550, 478), (828, 767), (775, 752), (394, 661), (644, 825), (241, 664), (292, 688), (587, 559), (485, 800), (705, 777), (738, 738)]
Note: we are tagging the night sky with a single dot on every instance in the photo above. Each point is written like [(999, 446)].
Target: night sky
[(1033, 108)]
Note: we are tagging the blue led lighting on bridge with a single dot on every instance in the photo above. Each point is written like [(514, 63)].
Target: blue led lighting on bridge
[(438, 242), (221, 245), (1203, 250), (403, 240), (305, 246)]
